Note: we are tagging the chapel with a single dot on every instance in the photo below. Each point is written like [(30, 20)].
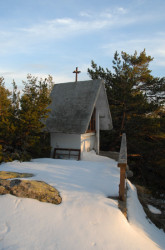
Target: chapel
[(78, 111)]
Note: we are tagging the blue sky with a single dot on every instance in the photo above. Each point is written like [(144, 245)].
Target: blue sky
[(44, 37)]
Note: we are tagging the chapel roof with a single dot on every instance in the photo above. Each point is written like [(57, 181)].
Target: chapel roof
[(72, 106)]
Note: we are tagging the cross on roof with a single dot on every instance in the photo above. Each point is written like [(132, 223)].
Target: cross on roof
[(76, 72)]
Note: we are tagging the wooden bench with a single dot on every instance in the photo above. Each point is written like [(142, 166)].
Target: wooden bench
[(66, 153)]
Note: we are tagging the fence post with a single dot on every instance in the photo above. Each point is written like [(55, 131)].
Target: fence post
[(122, 164), (122, 181)]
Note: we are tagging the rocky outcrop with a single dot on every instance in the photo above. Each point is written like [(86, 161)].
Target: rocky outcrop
[(146, 198), (4, 175), (28, 189)]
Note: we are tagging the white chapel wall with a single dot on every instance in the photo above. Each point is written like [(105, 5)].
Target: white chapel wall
[(85, 142), (61, 140), (88, 141)]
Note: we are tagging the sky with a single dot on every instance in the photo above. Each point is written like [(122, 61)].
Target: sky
[(50, 37)]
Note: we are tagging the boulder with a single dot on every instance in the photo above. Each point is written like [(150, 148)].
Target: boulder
[(10, 175), (30, 189)]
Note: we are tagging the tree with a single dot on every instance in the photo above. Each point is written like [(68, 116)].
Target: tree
[(34, 111), (5, 101), (22, 118), (8, 124), (127, 86), (5, 107), (135, 103)]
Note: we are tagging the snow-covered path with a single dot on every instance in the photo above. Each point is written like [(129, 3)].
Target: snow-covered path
[(86, 219)]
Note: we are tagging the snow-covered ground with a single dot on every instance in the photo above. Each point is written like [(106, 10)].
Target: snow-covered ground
[(154, 210), (86, 218)]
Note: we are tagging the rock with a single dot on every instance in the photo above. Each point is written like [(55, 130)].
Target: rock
[(29, 188), (146, 198), (2, 190), (14, 182), (10, 175), (129, 173)]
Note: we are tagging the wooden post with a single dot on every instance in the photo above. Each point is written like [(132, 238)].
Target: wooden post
[(122, 181), (122, 164)]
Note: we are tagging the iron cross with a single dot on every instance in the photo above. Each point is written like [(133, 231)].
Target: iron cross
[(76, 72)]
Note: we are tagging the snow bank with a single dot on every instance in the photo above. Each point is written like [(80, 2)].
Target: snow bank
[(86, 219), (139, 221), (153, 209)]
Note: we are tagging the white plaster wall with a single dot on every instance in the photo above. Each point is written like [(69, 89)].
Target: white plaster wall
[(88, 141), (85, 142), (61, 140)]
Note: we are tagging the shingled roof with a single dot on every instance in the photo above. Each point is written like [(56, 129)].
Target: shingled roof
[(72, 106)]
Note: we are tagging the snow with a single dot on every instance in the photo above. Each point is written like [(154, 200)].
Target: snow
[(138, 219), (86, 218), (153, 209)]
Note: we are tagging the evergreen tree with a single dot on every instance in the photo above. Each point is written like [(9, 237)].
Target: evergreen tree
[(5, 101), (127, 87), (5, 106), (135, 103), (14, 118), (33, 112), (6, 122), (22, 119)]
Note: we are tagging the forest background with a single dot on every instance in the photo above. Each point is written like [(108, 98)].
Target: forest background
[(136, 100)]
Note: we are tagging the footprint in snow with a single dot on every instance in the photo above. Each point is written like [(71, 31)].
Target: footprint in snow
[(93, 223), (4, 229), (17, 202)]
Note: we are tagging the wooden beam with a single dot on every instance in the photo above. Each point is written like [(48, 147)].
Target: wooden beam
[(122, 164)]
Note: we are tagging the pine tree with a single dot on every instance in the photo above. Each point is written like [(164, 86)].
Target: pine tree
[(22, 134), (136, 106), (127, 86), (15, 120), (5, 101), (33, 104), (5, 107)]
